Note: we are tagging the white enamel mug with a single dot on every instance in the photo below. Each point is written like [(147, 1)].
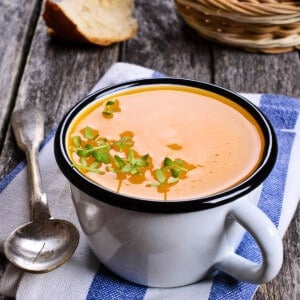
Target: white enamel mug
[(175, 243)]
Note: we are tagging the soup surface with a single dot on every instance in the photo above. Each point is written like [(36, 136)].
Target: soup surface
[(165, 142)]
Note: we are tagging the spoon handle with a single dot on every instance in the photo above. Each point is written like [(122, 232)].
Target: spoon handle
[(28, 128)]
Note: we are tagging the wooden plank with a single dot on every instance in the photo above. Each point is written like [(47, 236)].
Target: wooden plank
[(16, 19), (166, 44), (257, 73)]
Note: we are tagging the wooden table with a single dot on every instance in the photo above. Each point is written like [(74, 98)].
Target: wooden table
[(55, 74)]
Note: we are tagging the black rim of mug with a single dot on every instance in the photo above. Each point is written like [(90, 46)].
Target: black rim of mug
[(102, 194)]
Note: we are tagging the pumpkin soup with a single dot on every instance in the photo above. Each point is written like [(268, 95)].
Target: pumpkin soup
[(165, 142)]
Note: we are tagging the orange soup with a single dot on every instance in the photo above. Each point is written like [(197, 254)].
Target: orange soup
[(165, 142)]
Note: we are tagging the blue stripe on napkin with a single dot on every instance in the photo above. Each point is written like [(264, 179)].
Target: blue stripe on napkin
[(283, 120), (107, 286), (157, 74), (9, 178)]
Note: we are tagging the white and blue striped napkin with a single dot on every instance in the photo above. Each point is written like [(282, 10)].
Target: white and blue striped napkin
[(83, 277)]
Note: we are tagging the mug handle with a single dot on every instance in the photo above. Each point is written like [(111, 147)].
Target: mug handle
[(268, 240)]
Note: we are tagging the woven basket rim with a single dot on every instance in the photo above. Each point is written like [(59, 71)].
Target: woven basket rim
[(272, 19), (250, 7), (258, 29)]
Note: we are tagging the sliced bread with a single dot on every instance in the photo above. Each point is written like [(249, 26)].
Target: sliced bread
[(100, 22)]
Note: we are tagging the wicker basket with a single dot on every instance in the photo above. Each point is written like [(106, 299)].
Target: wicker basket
[(268, 26)]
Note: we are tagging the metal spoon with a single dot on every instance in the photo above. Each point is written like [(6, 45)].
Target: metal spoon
[(45, 243)]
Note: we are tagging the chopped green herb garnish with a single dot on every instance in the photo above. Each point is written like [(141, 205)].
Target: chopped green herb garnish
[(90, 133), (101, 155), (120, 157), (77, 141), (175, 166), (160, 176), (170, 172), (132, 164), (125, 142), (120, 163), (91, 168), (111, 107)]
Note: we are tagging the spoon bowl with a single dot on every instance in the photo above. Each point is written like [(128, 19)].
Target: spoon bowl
[(45, 243), (41, 246)]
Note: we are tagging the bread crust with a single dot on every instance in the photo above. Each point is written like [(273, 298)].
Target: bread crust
[(75, 20)]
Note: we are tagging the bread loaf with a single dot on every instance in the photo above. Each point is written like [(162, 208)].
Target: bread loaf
[(100, 22)]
